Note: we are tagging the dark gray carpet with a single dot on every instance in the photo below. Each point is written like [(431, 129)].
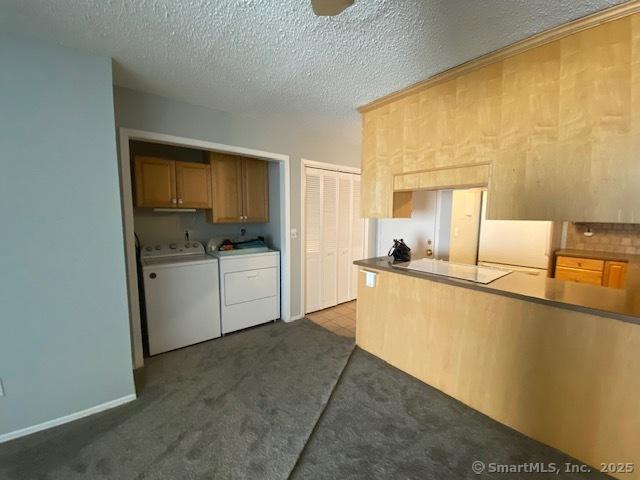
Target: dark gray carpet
[(242, 406), (381, 423), (252, 404)]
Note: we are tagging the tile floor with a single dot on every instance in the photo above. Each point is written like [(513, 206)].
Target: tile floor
[(340, 319)]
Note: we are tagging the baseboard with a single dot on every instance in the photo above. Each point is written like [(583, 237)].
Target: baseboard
[(67, 418), (297, 317)]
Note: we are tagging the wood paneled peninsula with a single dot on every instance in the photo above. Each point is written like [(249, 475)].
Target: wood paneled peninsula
[(555, 360)]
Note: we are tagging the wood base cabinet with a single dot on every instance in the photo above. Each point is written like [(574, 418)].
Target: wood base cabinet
[(593, 271), (240, 189)]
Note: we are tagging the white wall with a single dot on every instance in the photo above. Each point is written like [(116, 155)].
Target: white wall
[(274, 134), (415, 230), (64, 327)]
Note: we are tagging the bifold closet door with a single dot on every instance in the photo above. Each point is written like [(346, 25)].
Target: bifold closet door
[(357, 235), (345, 208), (329, 238), (334, 237), (313, 240)]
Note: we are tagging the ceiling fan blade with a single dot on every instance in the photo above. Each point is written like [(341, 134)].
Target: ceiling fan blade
[(328, 8)]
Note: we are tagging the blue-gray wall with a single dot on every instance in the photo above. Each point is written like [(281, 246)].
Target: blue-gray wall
[(64, 328), (274, 134)]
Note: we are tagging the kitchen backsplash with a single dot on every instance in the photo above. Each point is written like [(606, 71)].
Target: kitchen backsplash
[(607, 237)]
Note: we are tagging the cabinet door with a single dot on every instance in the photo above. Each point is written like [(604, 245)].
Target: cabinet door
[(193, 181), (155, 180), (226, 175), (255, 190), (615, 274)]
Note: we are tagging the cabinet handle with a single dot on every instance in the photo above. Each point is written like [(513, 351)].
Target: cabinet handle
[(174, 201), (179, 201)]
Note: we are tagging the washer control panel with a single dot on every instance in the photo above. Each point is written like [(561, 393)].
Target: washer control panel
[(158, 250)]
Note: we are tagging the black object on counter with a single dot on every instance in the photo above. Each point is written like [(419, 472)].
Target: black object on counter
[(400, 251)]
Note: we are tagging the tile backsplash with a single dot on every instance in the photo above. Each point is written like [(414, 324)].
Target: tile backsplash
[(607, 237)]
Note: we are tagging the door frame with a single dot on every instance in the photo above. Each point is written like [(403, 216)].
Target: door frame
[(303, 200), (126, 196)]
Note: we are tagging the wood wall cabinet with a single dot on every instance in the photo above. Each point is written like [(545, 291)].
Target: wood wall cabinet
[(240, 189), (592, 271), (193, 182), (164, 183), (555, 124), (255, 190)]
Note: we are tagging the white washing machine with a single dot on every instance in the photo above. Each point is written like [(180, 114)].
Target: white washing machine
[(249, 288), (182, 295)]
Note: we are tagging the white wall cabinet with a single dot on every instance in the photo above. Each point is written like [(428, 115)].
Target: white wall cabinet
[(334, 237)]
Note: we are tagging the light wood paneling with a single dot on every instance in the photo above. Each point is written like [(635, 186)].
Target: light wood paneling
[(559, 124), (459, 177), (566, 378), (618, 11), (377, 182), (226, 180), (155, 180), (193, 181), (615, 274), (255, 190)]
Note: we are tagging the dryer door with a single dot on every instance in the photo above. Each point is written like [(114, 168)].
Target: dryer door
[(250, 285)]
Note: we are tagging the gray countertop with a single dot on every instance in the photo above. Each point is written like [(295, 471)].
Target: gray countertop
[(620, 304), (619, 257)]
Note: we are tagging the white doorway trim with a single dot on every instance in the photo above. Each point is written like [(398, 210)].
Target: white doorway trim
[(303, 190), (126, 195)]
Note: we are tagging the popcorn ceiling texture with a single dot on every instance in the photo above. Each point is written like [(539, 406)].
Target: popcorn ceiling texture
[(607, 237), (275, 57)]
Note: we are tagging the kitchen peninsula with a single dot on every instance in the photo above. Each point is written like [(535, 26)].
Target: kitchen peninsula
[(557, 361)]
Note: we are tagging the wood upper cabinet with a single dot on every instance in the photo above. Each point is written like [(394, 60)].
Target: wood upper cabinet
[(155, 181), (240, 189), (193, 182), (164, 183), (556, 123), (226, 175), (255, 198)]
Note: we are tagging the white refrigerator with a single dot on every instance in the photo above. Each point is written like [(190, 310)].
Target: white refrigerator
[(515, 244)]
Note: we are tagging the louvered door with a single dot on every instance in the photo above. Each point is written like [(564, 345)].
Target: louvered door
[(313, 240), (357, 235), (345, 201), (334, 237), (329, 238)]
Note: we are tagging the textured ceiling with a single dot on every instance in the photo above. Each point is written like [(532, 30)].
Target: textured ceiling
[(274, 57)]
